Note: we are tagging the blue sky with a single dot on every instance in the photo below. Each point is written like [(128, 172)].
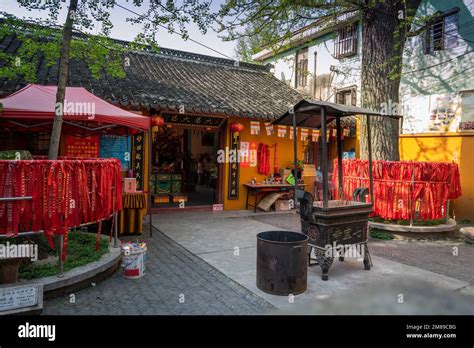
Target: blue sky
[(126, 31)]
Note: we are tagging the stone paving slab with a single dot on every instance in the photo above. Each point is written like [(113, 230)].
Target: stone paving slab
[(450, 258), (208, 235), (171, 270)]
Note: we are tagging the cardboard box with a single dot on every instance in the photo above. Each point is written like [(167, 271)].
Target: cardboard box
[(178, 198), (161, 199), (129, 185), (282, 205), (284, 172)]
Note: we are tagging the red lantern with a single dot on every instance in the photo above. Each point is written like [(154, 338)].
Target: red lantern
[(236, 127), (157, 121), (132, 131)]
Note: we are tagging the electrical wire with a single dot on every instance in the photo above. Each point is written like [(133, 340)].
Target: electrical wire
[(173, 31)]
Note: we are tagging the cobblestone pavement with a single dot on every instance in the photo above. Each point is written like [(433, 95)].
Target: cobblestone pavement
[(172, 271), (450, 258)]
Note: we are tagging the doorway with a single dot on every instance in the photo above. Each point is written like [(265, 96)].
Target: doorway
[(185, 172)]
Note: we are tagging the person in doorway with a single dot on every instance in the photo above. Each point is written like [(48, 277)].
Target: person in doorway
[(200, 169), (208, 164)]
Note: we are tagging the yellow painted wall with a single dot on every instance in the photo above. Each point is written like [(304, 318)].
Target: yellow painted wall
[(285, 159), (446, 148)]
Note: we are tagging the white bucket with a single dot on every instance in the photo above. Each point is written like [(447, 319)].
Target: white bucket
[(133, 262)]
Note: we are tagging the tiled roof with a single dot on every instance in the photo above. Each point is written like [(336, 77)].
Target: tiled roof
[(171, 79)]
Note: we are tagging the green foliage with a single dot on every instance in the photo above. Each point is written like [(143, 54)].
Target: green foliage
[(80, 251), (43, 38), (44, 42), (464, 222), (379, 234)]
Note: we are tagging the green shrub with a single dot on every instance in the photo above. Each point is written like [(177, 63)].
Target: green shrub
[(80, 251), (379, 234)]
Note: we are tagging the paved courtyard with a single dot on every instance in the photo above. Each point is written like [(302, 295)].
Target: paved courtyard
[(176, 282), (448, 257), (210, 259)]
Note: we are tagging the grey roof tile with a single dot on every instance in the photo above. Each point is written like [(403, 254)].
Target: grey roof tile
[(172, 78)]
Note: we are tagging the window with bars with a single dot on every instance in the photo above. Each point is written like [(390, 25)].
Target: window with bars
[(301, 68), (442, 33), (346, 96), (345, 44)]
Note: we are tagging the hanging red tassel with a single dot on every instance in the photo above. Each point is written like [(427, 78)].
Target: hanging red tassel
[(275, 160)]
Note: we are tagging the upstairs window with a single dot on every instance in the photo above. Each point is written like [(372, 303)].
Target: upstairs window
[(345, 44), (442, 33), (346, 96), (302, 68)]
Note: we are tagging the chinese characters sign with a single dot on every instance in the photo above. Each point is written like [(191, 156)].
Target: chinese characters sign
[(20, 298), (193, 120), (248, 154), (234, 168), (82, 146), (138, 159)]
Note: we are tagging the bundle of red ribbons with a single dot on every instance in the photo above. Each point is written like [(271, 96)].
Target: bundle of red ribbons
[(65, 194), (403, 189)]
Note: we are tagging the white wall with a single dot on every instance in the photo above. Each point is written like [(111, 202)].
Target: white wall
[(347, 71), (437, 75)]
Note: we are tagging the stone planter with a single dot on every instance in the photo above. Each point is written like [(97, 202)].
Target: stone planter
[(9, 269)]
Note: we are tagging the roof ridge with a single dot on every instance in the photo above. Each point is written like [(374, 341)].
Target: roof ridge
[(196, 57), (170, 52)]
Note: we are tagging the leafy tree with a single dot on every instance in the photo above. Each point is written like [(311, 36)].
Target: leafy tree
[(72, 39), (246, 46), (385, 24)]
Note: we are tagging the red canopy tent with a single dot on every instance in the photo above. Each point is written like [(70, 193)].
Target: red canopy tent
[(34, 107)]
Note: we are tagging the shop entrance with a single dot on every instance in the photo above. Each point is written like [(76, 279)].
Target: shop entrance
[(185, 172)]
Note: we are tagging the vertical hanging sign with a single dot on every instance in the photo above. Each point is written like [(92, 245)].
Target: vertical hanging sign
[(138, 159), (233, 192)]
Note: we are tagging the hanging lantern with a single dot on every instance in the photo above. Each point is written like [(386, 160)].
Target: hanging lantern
[(156, 123), (236, 127), (132, 131)]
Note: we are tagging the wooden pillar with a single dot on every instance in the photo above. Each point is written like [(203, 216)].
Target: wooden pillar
[(295, 155), (339, 157), (150, 197), (369, 148), (324, 157)]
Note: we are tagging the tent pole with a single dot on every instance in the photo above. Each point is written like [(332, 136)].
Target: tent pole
[(60, 241), (115, 222), (150, 199), (324, 155), (369, 149), (339, 157), (295, 155)]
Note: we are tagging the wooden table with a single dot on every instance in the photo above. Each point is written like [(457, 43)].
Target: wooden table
[(134, 207), (255, 189)]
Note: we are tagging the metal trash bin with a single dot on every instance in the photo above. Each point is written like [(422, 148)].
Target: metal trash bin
[(282, 262)]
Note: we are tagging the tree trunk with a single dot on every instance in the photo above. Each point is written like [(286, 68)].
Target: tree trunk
[(62, 81), (382, 54)]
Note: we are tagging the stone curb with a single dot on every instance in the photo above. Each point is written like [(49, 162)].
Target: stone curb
[(448, 227), (79, 277)]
